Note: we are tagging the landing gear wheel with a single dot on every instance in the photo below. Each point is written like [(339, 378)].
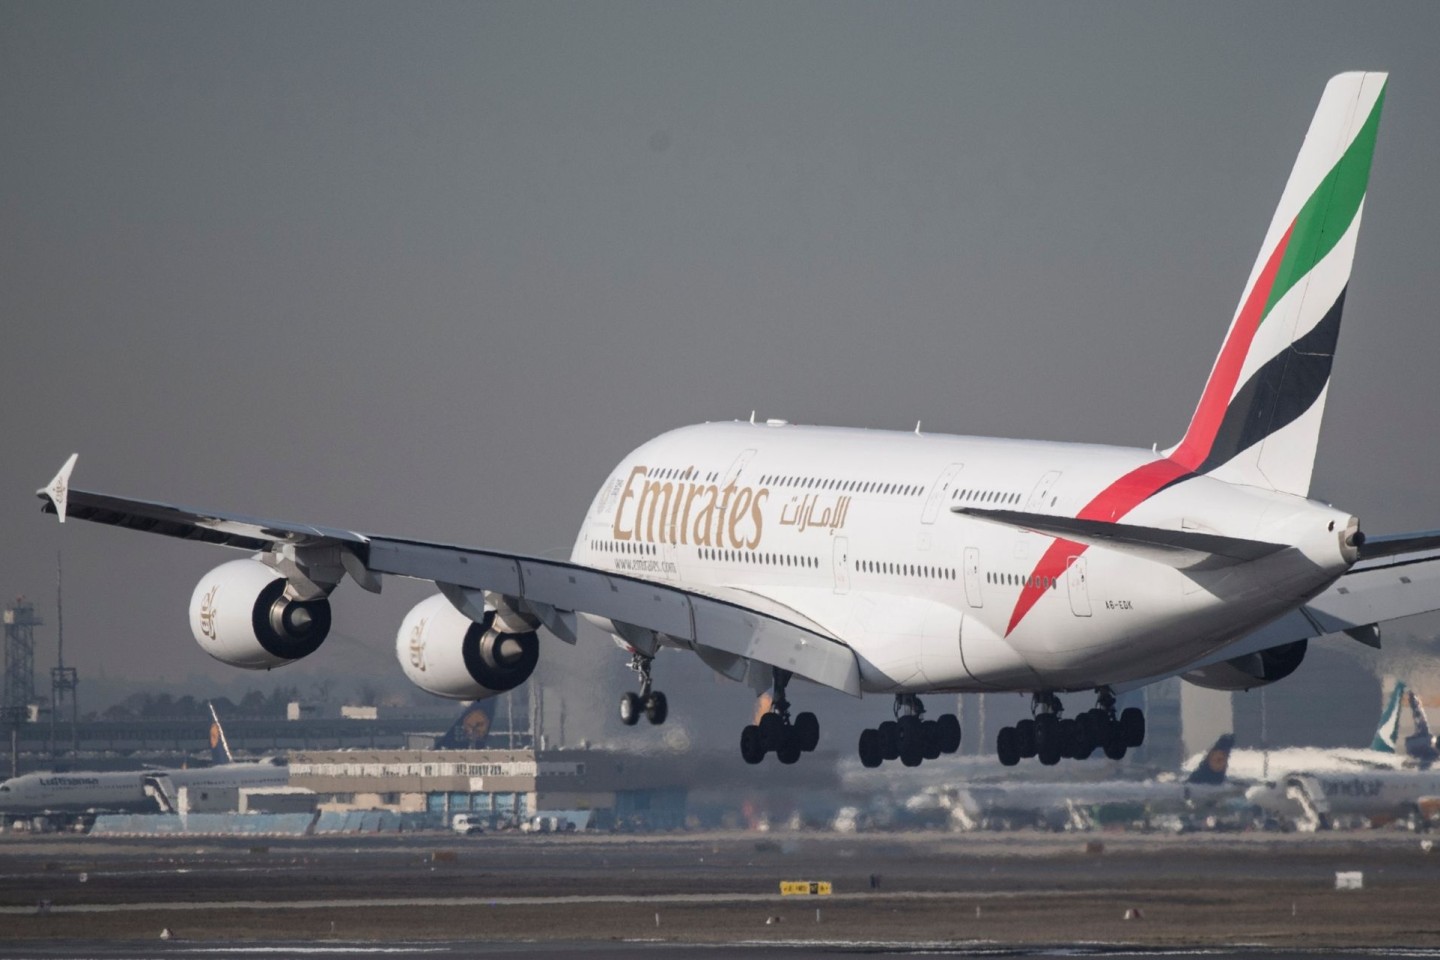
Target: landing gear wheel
[(949, 726), (772, 728), (1069, 739), (912, 744), (889, 732), (1132, 726), (1047, 739), (750, 747), (1025, 739), (807, 731), (1115, 748), (788, 751), (630, 709), (870, 748), (930, 739), (656, 709), (1006, 747)]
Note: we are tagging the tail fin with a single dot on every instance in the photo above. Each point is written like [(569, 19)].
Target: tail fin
[(1417, 713), (219, 746), (1420, 745), (1388, 733), (469, 730), (1213, 766), (1258, 421)]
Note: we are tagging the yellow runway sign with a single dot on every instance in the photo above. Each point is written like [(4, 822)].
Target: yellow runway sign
[(804, 888)]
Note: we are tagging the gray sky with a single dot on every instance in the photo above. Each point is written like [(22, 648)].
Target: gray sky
[(432, 269)]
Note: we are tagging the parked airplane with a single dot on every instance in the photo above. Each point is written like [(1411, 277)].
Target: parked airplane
[(903, 564), (76, 795), (1317, 799), (1417, 749), (1063, 802)]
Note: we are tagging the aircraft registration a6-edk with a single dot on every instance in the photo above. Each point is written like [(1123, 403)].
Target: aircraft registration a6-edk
[(903, 563)]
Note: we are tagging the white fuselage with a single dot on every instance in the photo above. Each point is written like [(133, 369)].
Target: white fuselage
[(1376, 794), (853, 530), (123, 791)]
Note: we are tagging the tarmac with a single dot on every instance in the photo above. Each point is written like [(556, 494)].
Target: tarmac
[(1013, 894)]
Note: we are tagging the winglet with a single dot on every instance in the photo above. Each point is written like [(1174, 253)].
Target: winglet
[(57, 491)]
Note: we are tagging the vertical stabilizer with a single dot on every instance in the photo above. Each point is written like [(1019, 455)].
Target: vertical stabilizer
[(1387, 734), (1213, 767), (219, 746), (1258, 421)]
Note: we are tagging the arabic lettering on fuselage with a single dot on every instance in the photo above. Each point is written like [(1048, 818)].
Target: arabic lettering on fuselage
[(709, 515)]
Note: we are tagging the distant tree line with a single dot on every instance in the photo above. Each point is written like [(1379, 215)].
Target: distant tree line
[(254, 705)]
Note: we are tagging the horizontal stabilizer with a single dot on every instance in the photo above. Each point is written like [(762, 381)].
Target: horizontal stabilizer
[(1396, 544), (1182, 549)]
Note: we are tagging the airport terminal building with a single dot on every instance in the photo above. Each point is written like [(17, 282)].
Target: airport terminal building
[(594, 788)]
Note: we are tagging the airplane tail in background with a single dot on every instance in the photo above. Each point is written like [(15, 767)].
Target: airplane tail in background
[(1420, 745), (1213, 766), (1387, 735), (219, 746), (1258, 420), (470, 729)]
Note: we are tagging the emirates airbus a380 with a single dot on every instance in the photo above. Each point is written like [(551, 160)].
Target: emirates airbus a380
[(906, 564)]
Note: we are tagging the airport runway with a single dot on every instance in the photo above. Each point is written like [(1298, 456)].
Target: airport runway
[(718, 896)]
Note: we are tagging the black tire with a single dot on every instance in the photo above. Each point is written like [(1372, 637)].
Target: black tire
[(930, 739), (912, 741), (630, 709), (656, 708), (889, 732), (1115, 749), (771, 730), (1007, 747), (949, 726), (1069, 733), (807, 728), (788, 751), (1025, 738), (1047, 739), (870, 748), (1132, 726), (751, 749)]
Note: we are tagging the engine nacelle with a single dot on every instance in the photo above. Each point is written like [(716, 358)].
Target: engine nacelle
[(240, 615), (1251, 670), (446, 653)]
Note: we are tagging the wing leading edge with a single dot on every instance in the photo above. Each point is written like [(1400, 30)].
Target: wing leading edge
[(727, 633)]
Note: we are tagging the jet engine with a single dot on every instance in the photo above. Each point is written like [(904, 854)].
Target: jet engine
[(240, 615), (446, 653), (1251, 670)]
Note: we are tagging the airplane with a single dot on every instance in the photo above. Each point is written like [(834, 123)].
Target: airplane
[(1069, 802), (1313, 799), (74, 796), (903, 564), (1418, 749)]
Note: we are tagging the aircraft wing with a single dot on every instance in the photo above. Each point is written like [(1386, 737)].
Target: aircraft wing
[(1385, 587), (727, 632)]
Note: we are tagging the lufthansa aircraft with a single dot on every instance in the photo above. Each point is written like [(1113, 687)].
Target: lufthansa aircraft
[(906, 564)]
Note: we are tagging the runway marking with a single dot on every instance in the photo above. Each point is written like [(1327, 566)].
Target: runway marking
[(430, 902)]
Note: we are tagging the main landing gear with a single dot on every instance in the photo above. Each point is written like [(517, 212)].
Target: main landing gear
[(909, 738), (1050, 738), (649, 702), (776, 732)]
